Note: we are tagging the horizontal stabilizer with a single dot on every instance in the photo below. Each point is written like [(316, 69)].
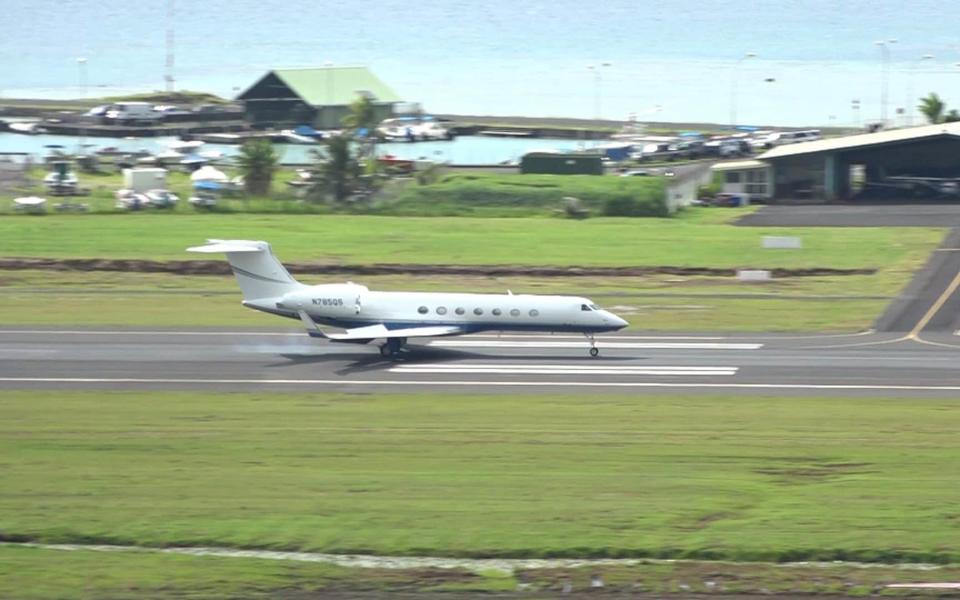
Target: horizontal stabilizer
[(214, 246)]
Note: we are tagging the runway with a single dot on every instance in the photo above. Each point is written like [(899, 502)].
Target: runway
[(889, 364)]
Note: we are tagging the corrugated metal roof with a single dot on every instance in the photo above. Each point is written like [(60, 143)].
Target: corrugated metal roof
[(865, 139), (733, 165), (333, 86)]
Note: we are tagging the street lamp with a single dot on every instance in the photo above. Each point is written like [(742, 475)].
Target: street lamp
[(733, 87), (595, 69), (884, 76), (82, 81), (911, 99)]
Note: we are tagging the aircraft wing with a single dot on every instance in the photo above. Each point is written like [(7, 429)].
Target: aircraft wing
[(371, 332)]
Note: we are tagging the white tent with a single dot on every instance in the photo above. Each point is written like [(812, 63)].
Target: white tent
[(208, 173)]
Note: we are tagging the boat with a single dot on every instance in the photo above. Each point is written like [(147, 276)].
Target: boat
[(61, 180), (413, 129), (30, 204), (29, 128)]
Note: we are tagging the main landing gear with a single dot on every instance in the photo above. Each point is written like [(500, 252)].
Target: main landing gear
[(392, 347), (594, 351)]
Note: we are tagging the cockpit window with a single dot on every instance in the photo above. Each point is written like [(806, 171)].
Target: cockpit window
[(594, 307), (584, 307)]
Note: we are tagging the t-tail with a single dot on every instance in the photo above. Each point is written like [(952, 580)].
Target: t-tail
[(262, 278)]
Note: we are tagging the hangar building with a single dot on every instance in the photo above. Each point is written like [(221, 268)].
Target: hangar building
[(318, 96), (898, 161)]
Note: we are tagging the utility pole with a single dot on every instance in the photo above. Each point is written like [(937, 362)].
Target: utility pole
[(733, 88), (884, 77), (168, 75)]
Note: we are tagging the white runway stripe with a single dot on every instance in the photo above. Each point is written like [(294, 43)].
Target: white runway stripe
[(474, 384), (601, 345), (564, 370)]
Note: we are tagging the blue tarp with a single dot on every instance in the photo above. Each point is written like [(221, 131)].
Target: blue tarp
[(212, 186), (307, 131)]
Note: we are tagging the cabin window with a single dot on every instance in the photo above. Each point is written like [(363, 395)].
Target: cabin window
[(441, 310), (496, 312), (459, 310), (423, 310), (478, 311), (534, 312), (515, 312)]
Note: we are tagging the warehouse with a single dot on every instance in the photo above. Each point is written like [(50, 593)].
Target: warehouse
[(900, 163), (317, 96)]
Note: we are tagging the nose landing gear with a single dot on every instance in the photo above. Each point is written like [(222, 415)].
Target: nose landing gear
[(594, 351)]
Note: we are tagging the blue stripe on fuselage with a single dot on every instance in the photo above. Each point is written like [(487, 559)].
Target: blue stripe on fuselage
[(468, 327)]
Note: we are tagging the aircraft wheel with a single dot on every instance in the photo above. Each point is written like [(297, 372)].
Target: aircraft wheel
[(386, 351), (594, 352)]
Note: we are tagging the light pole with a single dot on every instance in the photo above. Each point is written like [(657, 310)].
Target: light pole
[(884, 76), (82, 80), (733, 87), (911, 104), (597, 82), (855, 105)]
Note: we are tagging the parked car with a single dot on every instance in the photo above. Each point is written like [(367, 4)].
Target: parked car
[(171, 110), (128, 113), (657, 152)]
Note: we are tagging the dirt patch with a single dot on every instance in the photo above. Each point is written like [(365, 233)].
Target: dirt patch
[(219, 267)]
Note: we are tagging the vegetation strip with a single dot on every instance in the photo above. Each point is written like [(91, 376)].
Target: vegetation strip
[(367, 561), (210, 267)]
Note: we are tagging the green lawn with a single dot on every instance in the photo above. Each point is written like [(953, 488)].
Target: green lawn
[(501, 475), (847, 303), (472, 241), (41, 574)]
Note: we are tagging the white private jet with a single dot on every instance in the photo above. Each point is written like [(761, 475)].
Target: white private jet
[(397, 316)]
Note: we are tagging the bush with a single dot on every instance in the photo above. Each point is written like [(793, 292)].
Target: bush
[(531, 195)]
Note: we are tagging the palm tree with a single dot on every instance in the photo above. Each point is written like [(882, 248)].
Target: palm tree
[(932, 107), (337, 172), (258, 162), (362, 121)]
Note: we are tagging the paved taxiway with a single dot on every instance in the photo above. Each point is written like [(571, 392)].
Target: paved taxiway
[(862, 364)]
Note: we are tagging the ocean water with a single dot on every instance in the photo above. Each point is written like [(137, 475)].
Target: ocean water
[(659, 61)]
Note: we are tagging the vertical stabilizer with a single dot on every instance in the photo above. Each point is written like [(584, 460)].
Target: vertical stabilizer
[(258, 271)]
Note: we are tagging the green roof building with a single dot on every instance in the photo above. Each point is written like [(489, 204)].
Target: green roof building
[(314, 96)]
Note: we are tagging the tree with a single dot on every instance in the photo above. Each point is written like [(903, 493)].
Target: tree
[(362, 121), (337, 172), (362, 115), (952, 117), (258, 162), (932, 107)]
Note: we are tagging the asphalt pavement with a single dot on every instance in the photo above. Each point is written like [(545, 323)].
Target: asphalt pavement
[(856, 364), (861, 214)]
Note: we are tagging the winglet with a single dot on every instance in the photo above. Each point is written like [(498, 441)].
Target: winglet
[(313, 330)]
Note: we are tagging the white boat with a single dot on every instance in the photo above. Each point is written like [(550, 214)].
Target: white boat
[(30, 204), (29, 128), (292, 137)]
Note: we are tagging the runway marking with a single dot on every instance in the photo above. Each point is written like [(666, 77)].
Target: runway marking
[(600, 343), (432, 383), (300, 332), (564, 370), (935, 308)]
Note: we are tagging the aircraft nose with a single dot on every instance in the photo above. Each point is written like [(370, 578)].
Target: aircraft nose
[(614, 320)]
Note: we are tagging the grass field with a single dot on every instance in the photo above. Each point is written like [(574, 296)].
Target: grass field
[(41, 574), (685, 241), (720, 477), (665, 303)]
